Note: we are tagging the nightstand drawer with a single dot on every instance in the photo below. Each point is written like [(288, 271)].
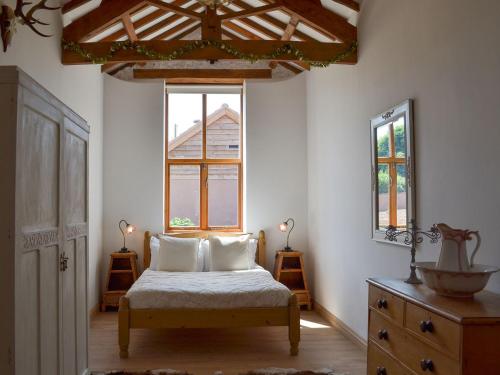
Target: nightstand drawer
[(380, 363), (441, 332), (386, 304), (413, 353)]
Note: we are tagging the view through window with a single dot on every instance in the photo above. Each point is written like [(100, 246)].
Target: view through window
[(204, 160), (391, 161)]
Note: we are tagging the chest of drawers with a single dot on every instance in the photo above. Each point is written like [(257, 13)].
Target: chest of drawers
[(412, 330)]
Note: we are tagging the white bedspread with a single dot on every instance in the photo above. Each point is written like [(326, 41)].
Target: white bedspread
[(207, 290)]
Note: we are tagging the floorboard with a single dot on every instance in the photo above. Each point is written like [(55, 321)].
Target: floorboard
[(232, 351)]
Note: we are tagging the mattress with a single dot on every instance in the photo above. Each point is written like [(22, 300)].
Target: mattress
[(207, 290)]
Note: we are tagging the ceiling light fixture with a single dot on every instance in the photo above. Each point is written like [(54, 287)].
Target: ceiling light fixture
[(213, 4)]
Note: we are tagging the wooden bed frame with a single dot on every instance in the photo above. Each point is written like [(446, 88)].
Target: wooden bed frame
[(208, 318)]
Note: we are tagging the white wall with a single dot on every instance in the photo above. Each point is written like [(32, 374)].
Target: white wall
[(444, 55), (276, 179), (79, 87), (133, 160)]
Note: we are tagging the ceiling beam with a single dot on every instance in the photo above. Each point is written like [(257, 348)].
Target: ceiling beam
[(99, 19), (251, 11), (176, 29), (314, 50), (146, 20), (287, 35), (170, 7), (203, 73), (129, 28), (290, 67), (313, 14), (72, 5), (270, 20)]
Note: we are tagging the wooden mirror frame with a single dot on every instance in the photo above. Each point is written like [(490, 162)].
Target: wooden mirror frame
[(404, 109)]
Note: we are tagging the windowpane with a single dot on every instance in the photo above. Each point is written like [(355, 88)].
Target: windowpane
[(223, 126), (184, 196), (401, 197), (384, 141), (400, 137), (223, 195), (185, 114), (383, 186)]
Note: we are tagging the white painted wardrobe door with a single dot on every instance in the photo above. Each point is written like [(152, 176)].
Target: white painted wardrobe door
[(37, 237), (75, 311)]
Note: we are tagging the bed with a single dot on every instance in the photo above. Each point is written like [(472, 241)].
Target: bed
[(207, 299)]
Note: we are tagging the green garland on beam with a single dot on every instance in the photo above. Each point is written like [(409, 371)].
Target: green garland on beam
[(286, 49)]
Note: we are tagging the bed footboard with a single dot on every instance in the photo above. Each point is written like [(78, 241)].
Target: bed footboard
[(124, 326), (294, 325)]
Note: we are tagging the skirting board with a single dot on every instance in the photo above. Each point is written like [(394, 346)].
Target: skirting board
[(340, 325)]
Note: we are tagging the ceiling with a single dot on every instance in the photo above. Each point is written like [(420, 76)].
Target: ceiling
[(304, 22)]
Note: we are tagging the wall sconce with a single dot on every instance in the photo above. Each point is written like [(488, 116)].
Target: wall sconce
[(126, 230), (284, 228)]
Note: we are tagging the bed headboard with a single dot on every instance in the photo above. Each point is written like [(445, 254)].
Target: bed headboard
[(260, 256)]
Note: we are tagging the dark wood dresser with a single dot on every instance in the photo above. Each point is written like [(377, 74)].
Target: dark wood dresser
[(414, 331)]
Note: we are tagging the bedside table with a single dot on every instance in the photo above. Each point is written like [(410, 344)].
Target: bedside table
[(122, 273), (289, 270)]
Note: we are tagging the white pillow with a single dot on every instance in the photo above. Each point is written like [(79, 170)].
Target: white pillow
[(178, 254), (229, 253), (204, 255), (154, 246), (252, 252)]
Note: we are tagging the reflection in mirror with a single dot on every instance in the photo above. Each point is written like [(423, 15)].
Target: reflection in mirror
[(392, 195)]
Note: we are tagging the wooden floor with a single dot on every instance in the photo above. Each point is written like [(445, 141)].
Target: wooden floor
[(232, 351)]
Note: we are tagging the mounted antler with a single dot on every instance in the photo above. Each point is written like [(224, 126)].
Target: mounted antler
[(28, 18)]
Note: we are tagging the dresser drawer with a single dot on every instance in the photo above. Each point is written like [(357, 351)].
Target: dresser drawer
[(441, 332), (413, 353), (386, 303), (380, 363)]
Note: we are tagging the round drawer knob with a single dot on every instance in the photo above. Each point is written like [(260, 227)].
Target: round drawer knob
[(381, 371), (383, 334), (426, 326), (382, 303), (427, 365)]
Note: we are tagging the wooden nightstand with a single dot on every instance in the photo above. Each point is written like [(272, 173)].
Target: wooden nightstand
[(122, 273), (289, 270)]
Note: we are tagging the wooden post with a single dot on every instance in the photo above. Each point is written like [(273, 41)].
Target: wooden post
[(211, 27), (294, 325), (124, 326)]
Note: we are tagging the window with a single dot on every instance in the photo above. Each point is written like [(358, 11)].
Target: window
[(204, 159), (391, 174)]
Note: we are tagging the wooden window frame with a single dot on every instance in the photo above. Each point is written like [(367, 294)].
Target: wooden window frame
[(392, 162), (203, 163)]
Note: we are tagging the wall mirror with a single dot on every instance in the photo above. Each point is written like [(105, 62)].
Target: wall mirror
[(393, 182)]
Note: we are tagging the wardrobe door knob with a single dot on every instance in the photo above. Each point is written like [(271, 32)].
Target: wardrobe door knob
[(426, 326), (427, 365), (383, 334), (381, 371), (382, 304)]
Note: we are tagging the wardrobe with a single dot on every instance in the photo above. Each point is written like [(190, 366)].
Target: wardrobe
[(44, 231)]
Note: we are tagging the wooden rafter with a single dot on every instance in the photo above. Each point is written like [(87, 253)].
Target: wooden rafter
[(251, 11), (314, 50), (129, 28), (72, 5), (272, 21), (99, 19), (313, 14), (202, 74), (146, 20), (174, 8), (287, 35), (177, 29), (290, 67)]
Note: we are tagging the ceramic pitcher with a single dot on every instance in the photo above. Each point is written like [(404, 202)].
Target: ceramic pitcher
[(453, 255)]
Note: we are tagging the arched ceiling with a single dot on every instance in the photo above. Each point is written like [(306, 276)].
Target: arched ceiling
[(320, 29)]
